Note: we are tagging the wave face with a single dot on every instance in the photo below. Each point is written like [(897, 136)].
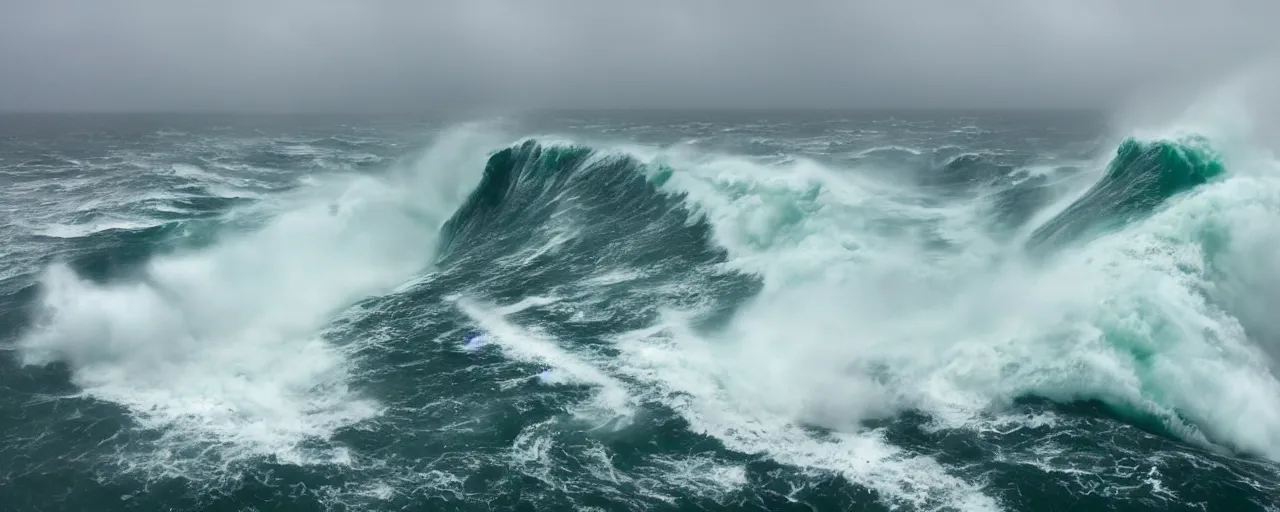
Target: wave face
[(559, 188), (820, 312), (1138, 180)]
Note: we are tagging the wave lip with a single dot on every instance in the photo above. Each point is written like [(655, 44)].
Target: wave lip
[(1141, 177)]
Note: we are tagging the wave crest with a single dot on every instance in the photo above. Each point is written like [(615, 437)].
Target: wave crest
[(1138, 180)]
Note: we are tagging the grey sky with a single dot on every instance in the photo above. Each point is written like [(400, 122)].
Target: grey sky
[(350, 55)]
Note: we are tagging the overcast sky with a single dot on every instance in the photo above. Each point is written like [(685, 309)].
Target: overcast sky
[(355, 55)]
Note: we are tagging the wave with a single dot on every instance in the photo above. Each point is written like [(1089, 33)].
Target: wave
[(855, 324), (219, 347), (561, 211), (83, 230), (889, 152), (848, 324), (969, 168), (781, 309), (832, 257), (1019, 197), (1141, 177), (518, 182)]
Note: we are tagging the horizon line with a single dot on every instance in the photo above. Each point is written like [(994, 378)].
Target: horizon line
[(513, 111)]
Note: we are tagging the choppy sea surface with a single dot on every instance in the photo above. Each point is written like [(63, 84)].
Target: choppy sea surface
[(637, 311)]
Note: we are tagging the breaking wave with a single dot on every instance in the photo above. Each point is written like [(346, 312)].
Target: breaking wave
[(1141, 178), (788, 310)]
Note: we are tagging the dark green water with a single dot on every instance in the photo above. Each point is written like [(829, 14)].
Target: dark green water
[(669, 311)]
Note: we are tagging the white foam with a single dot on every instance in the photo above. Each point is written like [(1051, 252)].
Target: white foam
[(531, 452), (860, 318), (528, 345), (556, 236), (721, 401), (299, 150), (223, 345), (526, 303), (666, 476), (612, 277), (885, 149), (703, 476), (80, 230), (194, 172), (168, 208)]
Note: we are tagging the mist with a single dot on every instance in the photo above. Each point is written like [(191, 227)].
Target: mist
[(394, 56)]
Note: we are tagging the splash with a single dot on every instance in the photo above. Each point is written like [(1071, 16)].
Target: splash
[(223, 345), (857, 322)]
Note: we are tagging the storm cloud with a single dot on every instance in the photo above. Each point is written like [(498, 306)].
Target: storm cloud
[(385, 55)]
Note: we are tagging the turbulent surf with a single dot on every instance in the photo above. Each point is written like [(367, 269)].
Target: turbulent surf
[(612, 311)]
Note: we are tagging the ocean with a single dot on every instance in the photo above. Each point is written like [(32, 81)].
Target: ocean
[(649, 310)]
